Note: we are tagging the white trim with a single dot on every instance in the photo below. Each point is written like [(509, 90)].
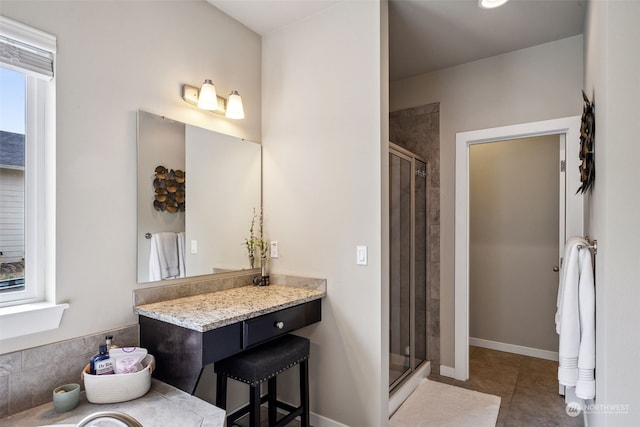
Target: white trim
[(405, 390), (320, 421), (36, 310), (26, 34), (447, 371), (513, 348), (28, 319), (566, 125)]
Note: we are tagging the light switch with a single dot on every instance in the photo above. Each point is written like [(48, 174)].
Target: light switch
[(194, 246), (274, 249), (361, 255)]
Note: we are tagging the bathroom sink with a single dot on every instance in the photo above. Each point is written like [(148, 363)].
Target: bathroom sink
[(102, 423)]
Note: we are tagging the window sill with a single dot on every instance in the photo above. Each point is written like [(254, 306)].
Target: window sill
[(28, 319)]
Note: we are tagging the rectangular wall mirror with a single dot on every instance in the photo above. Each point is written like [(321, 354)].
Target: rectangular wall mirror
[(222, 187)]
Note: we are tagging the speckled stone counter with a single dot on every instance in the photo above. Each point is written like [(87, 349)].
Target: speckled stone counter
[(187, 332), (217, 309), (162, 406)]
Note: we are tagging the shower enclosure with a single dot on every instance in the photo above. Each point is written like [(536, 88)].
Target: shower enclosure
[(407, 264)]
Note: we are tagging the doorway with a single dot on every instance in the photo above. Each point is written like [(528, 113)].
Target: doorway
[(570, 128), (514, 230)]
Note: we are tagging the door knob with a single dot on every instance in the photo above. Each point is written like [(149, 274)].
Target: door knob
[(279, 325), (556, 268)]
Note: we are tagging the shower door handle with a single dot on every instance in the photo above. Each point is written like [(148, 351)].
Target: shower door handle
[(556, 268)]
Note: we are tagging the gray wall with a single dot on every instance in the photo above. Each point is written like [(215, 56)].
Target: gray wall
[(325, 148), (611, 79), (113, 59), (513, 241), (538, 83)]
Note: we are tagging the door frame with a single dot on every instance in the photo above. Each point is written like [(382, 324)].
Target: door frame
[(570, 127)]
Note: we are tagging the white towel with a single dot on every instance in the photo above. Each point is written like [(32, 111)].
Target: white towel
[(181, 267), (586, 385), (163, 256), (575, 320)]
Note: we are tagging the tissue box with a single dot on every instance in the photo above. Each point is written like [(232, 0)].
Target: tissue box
[(118, 387)]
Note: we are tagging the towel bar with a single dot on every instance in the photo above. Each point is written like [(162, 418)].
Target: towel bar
[(593, 245)]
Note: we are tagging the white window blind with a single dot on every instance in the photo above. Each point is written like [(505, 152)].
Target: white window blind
[(27, 50)]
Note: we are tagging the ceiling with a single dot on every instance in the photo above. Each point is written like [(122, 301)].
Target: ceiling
[(428, 35)]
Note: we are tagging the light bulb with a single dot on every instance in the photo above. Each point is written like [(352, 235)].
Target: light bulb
[(234, 106), (207, 98), (491, 4)]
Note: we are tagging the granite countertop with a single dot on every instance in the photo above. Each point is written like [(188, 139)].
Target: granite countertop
[(162, 406), (213, 310)]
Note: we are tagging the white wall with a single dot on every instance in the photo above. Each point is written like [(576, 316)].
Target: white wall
[(538, 83), (113, 59), (324, 116), (611, 80)]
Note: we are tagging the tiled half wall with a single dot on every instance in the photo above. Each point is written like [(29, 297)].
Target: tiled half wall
[(28, 377)]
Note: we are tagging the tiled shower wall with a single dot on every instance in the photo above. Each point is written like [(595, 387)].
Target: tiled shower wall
[(28, 377), (418, 130)]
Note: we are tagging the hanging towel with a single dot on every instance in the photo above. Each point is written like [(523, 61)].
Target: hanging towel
[(586, 385), (575, 320), (163, 256), (181, 268)]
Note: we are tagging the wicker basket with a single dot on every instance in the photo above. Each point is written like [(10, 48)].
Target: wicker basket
[(118, 387)]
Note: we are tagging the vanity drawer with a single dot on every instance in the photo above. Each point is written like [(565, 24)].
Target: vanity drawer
[(271, 325)]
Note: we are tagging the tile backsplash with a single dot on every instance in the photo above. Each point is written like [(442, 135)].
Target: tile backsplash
[(28, 377)]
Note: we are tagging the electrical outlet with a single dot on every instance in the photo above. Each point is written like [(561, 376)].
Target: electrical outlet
[(274, 249)]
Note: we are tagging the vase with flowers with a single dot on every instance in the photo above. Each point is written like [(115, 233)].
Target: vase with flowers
[(251, 242), (263, 246)]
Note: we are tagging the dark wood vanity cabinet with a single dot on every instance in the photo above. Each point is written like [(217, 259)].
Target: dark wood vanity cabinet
[(182, 353)]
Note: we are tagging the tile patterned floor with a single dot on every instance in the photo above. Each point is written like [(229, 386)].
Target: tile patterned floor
[(528, 387)]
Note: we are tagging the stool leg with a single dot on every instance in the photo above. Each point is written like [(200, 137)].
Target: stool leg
[(304, 393), (273, 395), (254, 401), (221, 392)]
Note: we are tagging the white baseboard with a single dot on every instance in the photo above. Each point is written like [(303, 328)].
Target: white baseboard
[(447, 371), (512, 348), (405, 390), (319, 421)]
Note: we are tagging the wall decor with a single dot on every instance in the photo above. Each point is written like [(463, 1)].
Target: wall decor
[(587, 146), (169, 186)]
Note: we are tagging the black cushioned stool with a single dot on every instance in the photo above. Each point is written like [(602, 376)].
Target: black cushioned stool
[(264, 363)]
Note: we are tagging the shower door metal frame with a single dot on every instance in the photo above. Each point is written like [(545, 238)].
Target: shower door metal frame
[(405, 154)]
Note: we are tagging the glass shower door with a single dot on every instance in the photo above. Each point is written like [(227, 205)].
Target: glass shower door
[(407, 264), (400, 242)]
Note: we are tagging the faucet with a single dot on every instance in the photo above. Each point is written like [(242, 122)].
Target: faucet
[(120, 416)]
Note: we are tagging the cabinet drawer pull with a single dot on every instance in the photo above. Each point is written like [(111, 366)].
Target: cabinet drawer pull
[(279, 325)]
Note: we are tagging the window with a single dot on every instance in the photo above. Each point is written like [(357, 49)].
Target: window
[(27, 162)]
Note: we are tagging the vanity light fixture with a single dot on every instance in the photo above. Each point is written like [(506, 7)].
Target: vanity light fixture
[(491, 4), (206, 98)]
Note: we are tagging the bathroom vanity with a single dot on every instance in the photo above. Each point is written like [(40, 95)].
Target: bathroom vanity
[(187, 333)]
